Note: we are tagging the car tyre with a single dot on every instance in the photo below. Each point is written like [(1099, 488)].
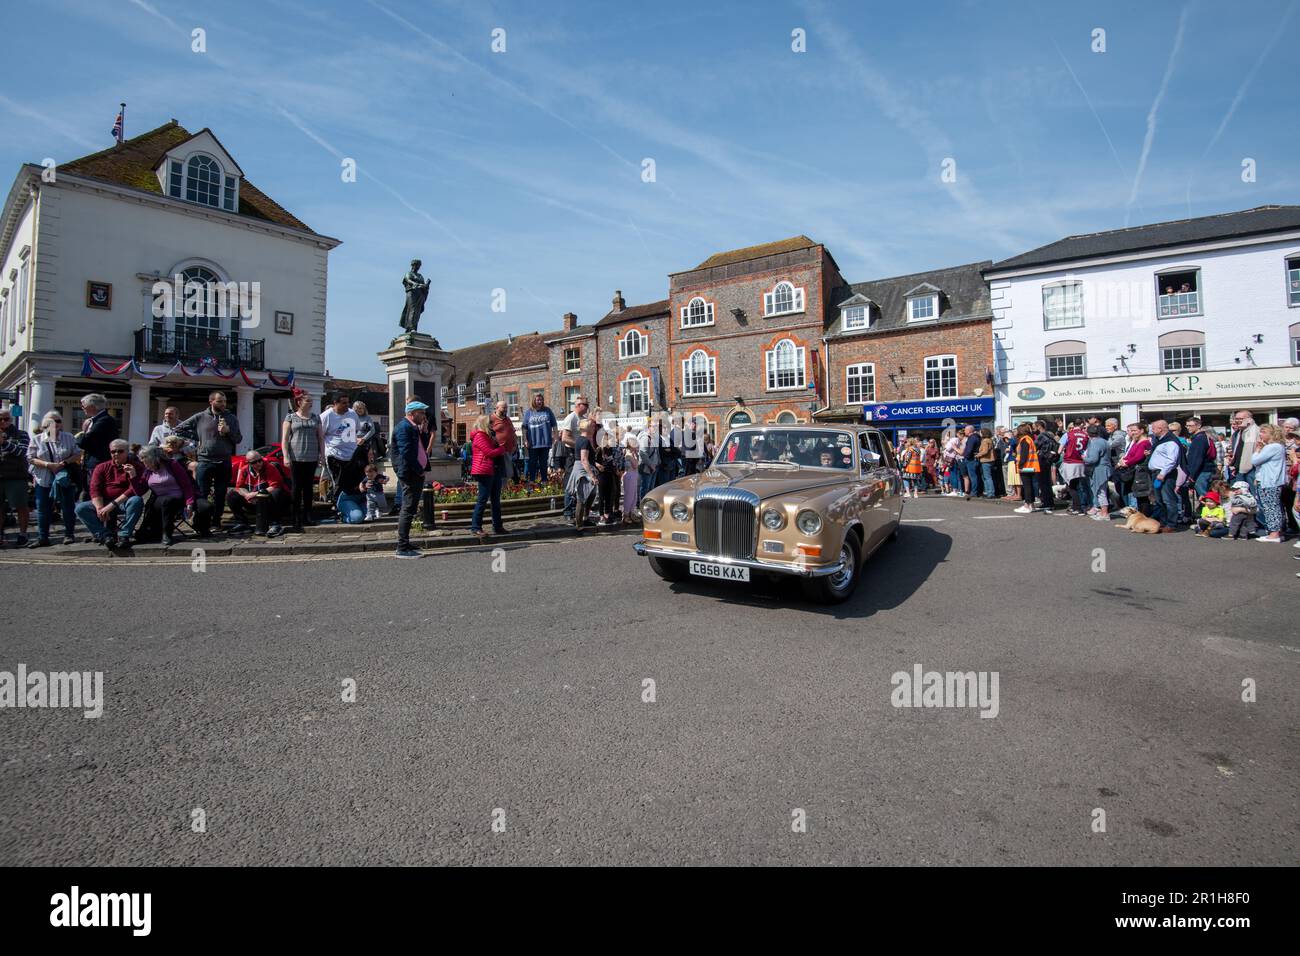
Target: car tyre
[(668, 569), (836, 588)]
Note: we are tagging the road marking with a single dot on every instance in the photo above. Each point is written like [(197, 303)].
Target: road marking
[(923, 520), (231, 560), (994, 517)]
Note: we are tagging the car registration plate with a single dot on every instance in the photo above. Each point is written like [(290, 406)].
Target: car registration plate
[(723, 572)]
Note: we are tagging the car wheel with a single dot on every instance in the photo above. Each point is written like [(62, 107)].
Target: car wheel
[(834, 588), (668, 569)]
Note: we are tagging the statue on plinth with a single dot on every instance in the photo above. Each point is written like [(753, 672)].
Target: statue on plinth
[(417, 293)]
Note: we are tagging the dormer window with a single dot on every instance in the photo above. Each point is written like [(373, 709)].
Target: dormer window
[(922, 307), (201, 180)]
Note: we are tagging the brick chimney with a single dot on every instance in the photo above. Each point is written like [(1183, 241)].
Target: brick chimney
[(570, 320), (619, 304)]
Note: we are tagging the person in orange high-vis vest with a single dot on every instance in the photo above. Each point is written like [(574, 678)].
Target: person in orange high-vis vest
[(1027, 463)]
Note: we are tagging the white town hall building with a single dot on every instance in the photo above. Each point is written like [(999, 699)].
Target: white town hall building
[(86, 248)]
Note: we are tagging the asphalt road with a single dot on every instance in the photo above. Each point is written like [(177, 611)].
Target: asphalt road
[(521, 691)]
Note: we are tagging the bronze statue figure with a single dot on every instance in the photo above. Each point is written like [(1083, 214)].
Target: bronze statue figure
[(417, 292)]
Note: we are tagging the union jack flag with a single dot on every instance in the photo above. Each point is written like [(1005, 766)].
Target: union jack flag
[(118, 124)]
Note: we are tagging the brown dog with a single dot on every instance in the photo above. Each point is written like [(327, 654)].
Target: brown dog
[(1139, 523)]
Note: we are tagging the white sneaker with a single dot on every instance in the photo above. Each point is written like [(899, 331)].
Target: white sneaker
[(1267, 540), (1296, 545), (1098, 517), (1024, 511)]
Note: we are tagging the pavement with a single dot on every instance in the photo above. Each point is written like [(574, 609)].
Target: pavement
[(502, 712)]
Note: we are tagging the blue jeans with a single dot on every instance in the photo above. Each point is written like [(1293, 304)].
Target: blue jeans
[(352, 509), (986, 470), (130, 512), (213, 479), (489, 489), (972, 469), (1167, 503), (537, 463), (1203, 483), (67, 503), (644, 484)]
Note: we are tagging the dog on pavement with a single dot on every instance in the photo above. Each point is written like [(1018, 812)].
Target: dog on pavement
[(1138, 523)]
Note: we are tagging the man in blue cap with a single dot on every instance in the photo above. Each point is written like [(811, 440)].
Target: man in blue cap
[(410, 460)]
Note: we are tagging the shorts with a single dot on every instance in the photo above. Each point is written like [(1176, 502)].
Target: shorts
[(14, 491)]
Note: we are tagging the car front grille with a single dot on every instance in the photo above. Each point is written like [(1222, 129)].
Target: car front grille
[(724, 522)]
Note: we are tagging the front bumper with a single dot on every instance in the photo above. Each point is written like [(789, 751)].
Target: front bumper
[(798, 571)]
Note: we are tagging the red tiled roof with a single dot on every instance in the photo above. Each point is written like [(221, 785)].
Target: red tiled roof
[(527, 351), (132, 164)]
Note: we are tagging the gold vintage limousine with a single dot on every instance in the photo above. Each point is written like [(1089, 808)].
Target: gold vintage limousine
[(812, 501)]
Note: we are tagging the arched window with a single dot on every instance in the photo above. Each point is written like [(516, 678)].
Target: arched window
[(634, 394), (785, 366), (697, 312), (699, 374), (786, 418), (1067, 359), (203, 180), (1182, 351), (782, 299), (631, 345)]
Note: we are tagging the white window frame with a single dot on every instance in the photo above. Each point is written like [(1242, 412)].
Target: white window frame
[(178, 182), (863, 371), (571, 393), (798, 366), (710, 373), (442, 397), (1199, 292), (1292, 274), (513, 408), (937, 364), (846, 324), (1083, 365), (4, 325), (1295, 350), (460, 394), (18, 311), (1063, 310), (636, 385), (913, 300), (797, 299), (577, 360), (705, 316), (1165, 368), (625, 350)]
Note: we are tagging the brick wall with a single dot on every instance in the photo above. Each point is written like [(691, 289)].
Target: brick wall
[(971, 342), (739, 343), (613, 370), (584, 377)]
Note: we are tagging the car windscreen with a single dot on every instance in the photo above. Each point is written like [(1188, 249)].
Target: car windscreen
[(804, 447)]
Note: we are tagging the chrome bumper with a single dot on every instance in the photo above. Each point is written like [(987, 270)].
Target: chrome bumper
[(819, 571)]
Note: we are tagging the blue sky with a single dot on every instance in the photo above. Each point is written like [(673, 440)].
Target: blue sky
[(522, 170)]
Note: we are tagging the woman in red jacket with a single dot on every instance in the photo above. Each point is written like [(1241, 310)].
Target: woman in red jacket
[(486, 451)]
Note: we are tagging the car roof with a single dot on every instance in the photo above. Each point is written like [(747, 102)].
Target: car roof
[(813, 427)]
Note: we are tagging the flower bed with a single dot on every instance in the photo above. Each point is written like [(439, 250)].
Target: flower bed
[(514, 490)]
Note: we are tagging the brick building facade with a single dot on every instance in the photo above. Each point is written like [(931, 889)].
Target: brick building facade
[(467, 394), (748, 324), (632, 356), (914, 338)]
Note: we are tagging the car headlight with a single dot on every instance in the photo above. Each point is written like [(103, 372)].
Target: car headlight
[(679, 511), (651, 510), (773, 520), (809, 522)]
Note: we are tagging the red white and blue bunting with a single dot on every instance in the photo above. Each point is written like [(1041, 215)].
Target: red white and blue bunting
[(207, 366)]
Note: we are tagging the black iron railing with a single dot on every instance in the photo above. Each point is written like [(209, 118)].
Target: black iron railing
[(192, 348)]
